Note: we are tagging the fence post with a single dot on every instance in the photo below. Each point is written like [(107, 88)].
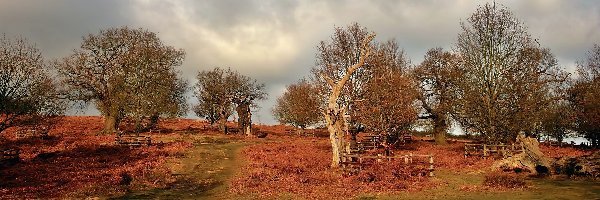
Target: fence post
[(484, 150), (411, 158), (405, 159), (430, 165)]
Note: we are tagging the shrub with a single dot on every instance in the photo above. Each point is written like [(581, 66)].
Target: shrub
[(503, 180)]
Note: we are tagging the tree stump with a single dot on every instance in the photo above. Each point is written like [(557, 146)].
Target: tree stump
[(530, 160)]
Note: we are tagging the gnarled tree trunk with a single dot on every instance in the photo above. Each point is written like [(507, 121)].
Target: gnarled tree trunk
[(439, 129), (244, 121), (334, 116)]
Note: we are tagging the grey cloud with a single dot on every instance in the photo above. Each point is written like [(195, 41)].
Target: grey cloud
[(57, 26), (274, 41)]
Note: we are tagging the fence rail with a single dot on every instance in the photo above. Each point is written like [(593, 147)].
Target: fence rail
[(350, 159), (9, 155), (31, 133), (133, 140), (486, 150)]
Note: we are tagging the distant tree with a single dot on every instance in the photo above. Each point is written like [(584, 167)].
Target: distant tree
[(435, 76), (28, 95), (125, 73), (338, 71), (299, 105), (211, 90), (584, 95), (245, 94), (557, 120), (505, 78), (219, 91)]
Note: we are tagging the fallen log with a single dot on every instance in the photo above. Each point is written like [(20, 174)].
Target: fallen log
[(530, 160)]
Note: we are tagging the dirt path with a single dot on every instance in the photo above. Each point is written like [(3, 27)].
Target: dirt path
[(202, 174)]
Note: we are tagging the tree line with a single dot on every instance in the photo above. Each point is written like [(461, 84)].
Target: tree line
[(496, 82), (127, 74)]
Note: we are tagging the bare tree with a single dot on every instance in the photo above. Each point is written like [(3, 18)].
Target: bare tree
[(28, 95), (299, 105), (125, 73), (504, 78), (584, 96), (219, 91), (338, 71)]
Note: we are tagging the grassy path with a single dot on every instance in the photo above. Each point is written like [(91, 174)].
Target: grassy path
[(202, 174)]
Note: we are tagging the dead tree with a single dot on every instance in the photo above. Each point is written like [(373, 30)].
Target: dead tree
[(334, 113)]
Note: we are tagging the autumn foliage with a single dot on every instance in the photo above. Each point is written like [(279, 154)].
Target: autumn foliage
[(299, 105), (302, 167), (75, 163)]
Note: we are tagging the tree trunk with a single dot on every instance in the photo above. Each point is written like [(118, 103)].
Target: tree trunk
[(153, 122), (110, 124), (244, 121), (336, 134), (222, 120), (333, 115), (439, 129)]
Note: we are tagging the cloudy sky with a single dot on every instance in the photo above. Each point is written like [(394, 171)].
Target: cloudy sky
[(274, 41)]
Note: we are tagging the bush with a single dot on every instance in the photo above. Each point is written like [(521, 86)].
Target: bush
[(503, 180)]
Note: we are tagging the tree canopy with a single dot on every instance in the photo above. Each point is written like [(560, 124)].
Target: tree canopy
[(300, 105), (28, 94), (506, 79), (220, 91), (126, 73), (435, 78), (584, 96)]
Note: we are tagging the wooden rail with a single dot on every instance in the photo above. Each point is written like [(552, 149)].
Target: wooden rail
[(9, 155), (133, 140), (352, 159), (369, 142), (31, 133), (486, 150)]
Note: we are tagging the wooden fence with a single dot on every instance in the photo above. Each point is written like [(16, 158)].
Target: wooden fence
[(31, 133), (9, 155), (485, 150), (133, 140), (357, 159)]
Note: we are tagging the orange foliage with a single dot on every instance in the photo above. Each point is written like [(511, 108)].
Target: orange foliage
[(557, 152), (74, 162), (301, 166)]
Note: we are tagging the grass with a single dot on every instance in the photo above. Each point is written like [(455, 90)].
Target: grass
[(539, 189), (202, 173)]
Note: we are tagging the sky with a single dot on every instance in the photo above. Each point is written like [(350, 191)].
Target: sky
[(274, 41)]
